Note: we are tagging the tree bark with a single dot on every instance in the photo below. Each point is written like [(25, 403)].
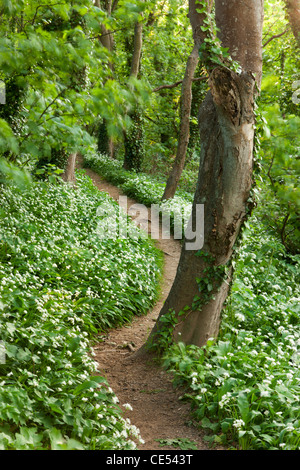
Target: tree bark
[(196, 20), (293, 11), (137, 49), (227, 120), (184, 131), (69, 173)]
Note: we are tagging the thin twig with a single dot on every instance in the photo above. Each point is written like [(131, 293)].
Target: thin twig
[(161, 87), (51, 103)]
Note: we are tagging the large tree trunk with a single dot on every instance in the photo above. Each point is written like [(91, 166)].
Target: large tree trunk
[(196, 20), (225, 176), (293, 11)]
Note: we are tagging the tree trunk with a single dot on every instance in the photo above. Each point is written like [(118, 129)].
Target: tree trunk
[(137, 49), (133, 138), (196, 20), (226, 119), (69, 173), (184, 132), (105, 142), (293, 11)]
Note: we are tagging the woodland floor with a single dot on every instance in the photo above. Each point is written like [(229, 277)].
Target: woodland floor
[(136, 378)]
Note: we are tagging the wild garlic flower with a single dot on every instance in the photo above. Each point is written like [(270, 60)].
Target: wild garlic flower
[(238, 423), (127, 406)]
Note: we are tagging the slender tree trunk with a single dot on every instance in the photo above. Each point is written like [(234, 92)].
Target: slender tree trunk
[(137, 49), (69, 173), (133, 138), (196, 20), (105, 142), (227, 123), (184, 131)]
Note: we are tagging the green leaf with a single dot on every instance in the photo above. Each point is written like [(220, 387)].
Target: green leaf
[(56, 439), (28, 438), (92, 383), (243, 406)]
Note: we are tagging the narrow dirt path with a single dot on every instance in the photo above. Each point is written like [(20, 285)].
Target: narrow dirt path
[(137, 379)]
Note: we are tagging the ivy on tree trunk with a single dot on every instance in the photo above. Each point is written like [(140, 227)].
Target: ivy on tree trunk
[(227, 119)]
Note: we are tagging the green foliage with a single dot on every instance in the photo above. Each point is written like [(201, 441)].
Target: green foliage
[(60, 286), (281, 165), (56, 77), (244, 386), (142, 187), (12, 174), (134, 143), (211, 51), (183, 444), (163, 339), (278, 154)]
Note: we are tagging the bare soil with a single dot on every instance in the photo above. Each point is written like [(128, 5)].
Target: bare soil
[(137, 378)]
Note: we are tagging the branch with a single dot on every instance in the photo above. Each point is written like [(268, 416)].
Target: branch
[(114, 5), (51, 103), (275, 37), (41, 6), (269, 171), (99, 36), (161, 87)]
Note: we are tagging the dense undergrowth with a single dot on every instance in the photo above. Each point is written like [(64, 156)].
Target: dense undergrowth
[(143, 188), (244, 388), (60, 286)]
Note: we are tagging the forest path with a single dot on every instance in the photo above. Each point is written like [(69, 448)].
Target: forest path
[(137, 379)]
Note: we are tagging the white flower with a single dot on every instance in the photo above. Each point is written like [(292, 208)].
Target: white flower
[(238, 423), (289, 427), (127, 406), (240, 316)]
